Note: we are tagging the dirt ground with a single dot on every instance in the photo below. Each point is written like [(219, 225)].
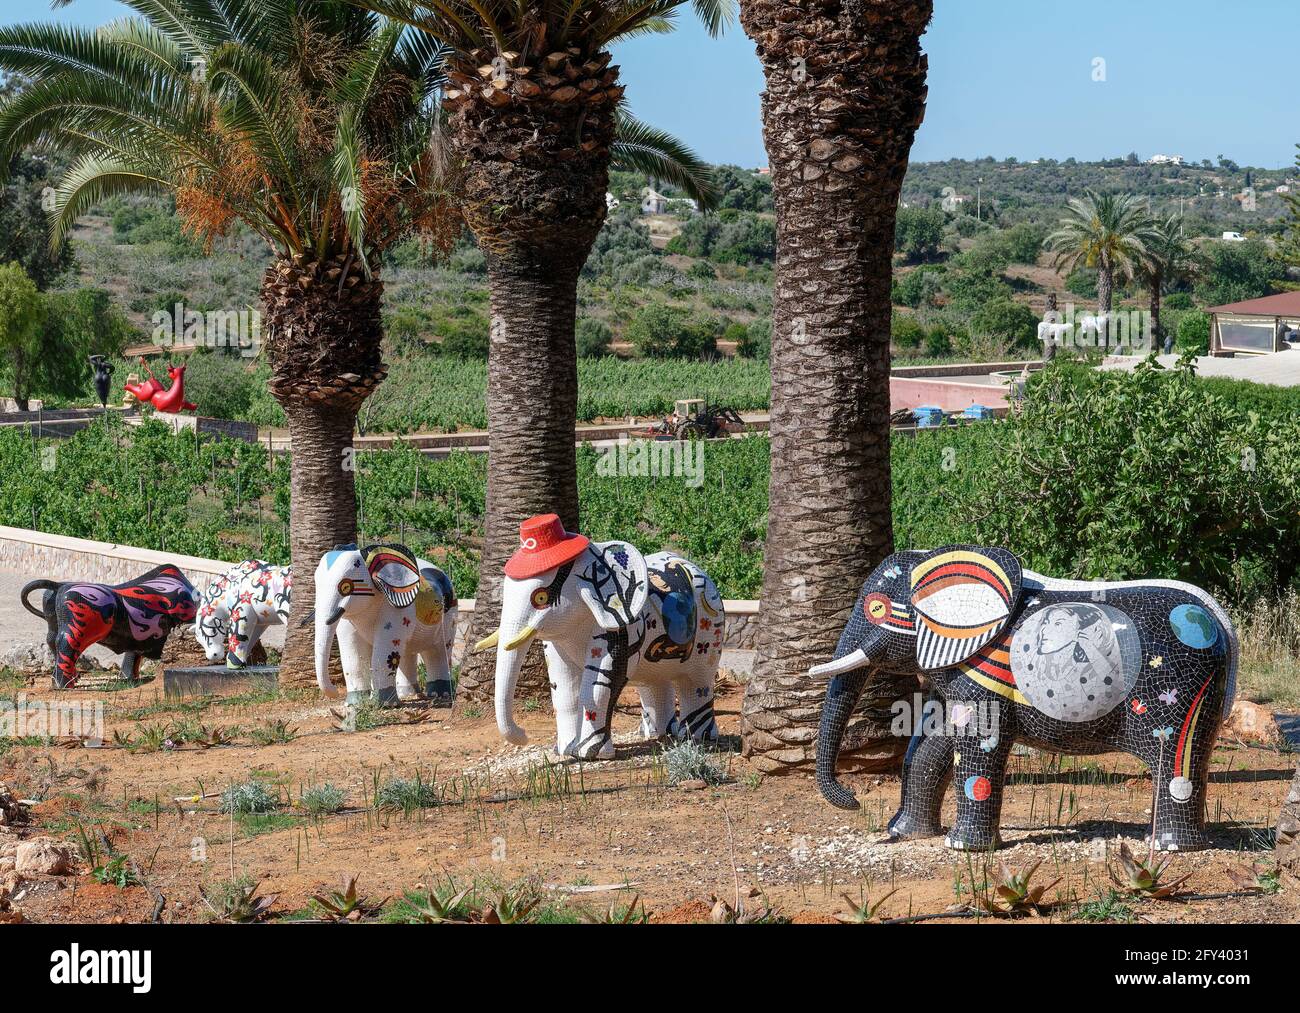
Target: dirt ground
[(578, 833)]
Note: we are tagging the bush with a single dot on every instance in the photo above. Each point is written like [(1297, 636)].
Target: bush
[(1234, 272), (1082, 283), (660, 331), (757, 343), (1012, 323), (906, 333), (918, 288), (222, 385), (918, 233), (938, 343), (1194, 333), (1179, 301), (593, 337), (322, 799), (690, 761), (249, 797)]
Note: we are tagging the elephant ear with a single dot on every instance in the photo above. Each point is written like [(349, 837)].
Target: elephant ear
[(614, 583), (963, 597), (395, 573)]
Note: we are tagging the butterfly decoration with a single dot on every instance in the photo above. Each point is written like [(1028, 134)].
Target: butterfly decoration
[(1163, 734), (893, 573), (1157, 661), (1138, 706), (989, 744), (1169, 697)]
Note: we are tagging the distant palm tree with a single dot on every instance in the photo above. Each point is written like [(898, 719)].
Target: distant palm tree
[(311, 125), (533, 114), (1170, 259), (1109, 232), (846, 85)]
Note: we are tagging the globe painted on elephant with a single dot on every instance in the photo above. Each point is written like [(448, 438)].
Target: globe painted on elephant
[(1194, 627)]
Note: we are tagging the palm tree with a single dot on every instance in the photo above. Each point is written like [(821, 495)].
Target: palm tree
[(1170, 258), (845, 95), (1109, 232), (533, 115), (309, 125)]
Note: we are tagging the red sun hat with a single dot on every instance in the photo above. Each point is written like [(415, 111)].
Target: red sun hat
[(543, 545)]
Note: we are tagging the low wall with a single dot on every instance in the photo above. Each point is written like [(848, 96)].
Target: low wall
[(38, 554), (909, 393)]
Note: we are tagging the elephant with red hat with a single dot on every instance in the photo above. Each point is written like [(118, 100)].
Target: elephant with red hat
[(608, 616)]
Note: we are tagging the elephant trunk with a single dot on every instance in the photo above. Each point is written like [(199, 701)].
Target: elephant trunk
[(841, 697), (325, 625), (510, 660)]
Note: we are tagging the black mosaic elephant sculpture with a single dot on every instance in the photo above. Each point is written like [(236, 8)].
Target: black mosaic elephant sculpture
[(132, 619), (1146, 668)]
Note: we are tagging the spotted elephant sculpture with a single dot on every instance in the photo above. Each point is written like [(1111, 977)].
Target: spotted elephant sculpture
[(238, 607), (1145, 667)]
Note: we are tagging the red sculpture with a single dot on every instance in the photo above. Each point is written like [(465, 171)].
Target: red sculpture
[(170, 400)]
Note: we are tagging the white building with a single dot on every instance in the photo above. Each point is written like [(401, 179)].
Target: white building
[(654, 203), (1165, 160)]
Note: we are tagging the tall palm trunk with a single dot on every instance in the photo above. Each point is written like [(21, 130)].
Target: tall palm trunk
[(324, 334), (1105, 286), (535, 141), (1157, 332), (1288, 830), (845, 94)]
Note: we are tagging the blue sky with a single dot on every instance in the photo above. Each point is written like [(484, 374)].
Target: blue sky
[(1198, 78)]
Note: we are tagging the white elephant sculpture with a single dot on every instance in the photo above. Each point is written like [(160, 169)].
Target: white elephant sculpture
[(237, 608), (389, 611), (608, 616)]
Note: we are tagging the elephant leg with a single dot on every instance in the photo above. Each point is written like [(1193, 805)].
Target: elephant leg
[(980, 776), (354, 655), (408, 676), (437, 674), (927, 772), (385, 660), (566, 699), (697, 720), (603, 680), (1180, 774), (658, 715)]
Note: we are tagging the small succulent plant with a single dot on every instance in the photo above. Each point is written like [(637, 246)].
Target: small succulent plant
[(1145, 878)]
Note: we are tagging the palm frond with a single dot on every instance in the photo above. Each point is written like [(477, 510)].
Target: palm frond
[(92, 180), (639, 147)]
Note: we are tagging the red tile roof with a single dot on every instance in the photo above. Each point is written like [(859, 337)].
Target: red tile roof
[(1285, 305)]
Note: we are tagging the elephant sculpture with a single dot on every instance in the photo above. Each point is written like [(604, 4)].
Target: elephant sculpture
[(132, 619), (1144, 667), (238, 607), (389, 611), (608, 616)]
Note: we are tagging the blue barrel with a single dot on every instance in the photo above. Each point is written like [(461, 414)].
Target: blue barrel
[(928, 417), (978, 413)]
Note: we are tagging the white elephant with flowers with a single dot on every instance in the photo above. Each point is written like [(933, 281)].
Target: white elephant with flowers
[(389, 611), (237, 608), (608, 616)]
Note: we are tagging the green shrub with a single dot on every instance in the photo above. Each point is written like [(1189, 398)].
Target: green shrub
[(661, 331), (1194, 333), (1011, 323), (757, 343), (593, 337), (906, 333)]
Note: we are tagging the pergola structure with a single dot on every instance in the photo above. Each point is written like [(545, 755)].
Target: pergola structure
[(1256, 326)]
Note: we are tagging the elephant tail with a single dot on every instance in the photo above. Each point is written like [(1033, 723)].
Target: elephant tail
[(38, 585)]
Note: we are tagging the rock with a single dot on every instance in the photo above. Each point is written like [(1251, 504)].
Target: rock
[(27, 659), (43, 858), (692, 785), (1250, 722), (12, 812)]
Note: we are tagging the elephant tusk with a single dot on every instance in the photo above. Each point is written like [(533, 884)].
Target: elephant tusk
[(487, 643), (523, 638), (841, 665)]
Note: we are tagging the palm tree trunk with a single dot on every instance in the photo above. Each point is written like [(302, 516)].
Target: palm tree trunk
[(1288, 830), (1105, 288), (324, 334), (532, 412), (838, 128), (1157, 332), (536, 147)]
